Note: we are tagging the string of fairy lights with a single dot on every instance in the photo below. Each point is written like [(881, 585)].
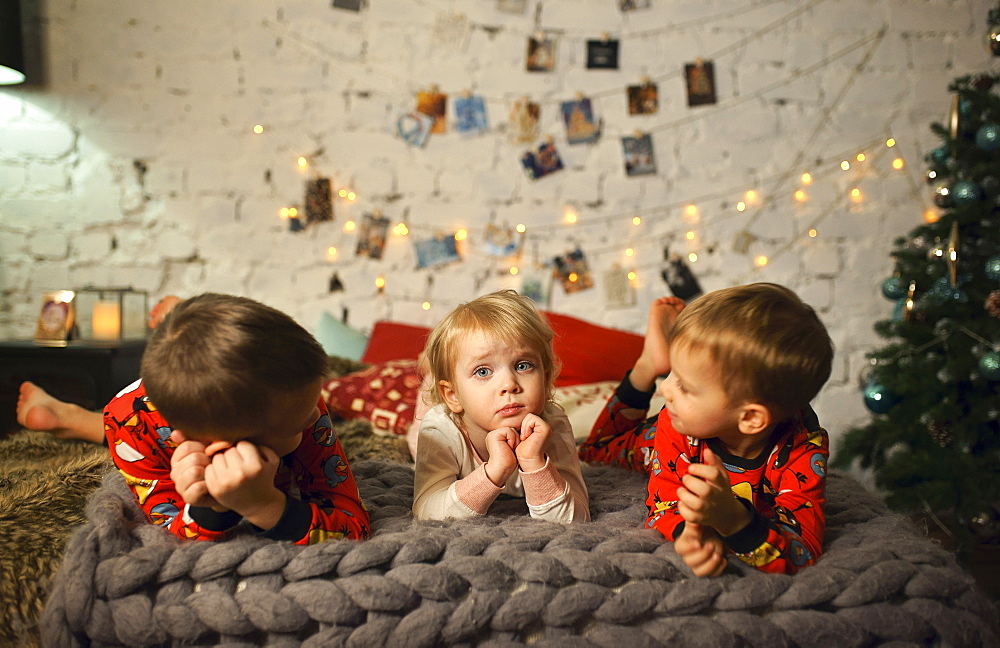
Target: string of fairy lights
[(696, 212)]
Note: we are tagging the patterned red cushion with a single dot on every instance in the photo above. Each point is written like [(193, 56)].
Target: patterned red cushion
[(384, 393)]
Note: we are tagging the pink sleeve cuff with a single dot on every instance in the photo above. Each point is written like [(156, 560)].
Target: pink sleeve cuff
[(476, 491), (543, 485)]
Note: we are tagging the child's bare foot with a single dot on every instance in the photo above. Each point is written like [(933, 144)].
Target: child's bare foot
[(38, 410), (655, 357), (161, 308)]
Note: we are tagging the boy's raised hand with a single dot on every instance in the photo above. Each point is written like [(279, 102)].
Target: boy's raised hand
[(706, 498), (241, 478), (500, 443), (534, 435), (702, 550)]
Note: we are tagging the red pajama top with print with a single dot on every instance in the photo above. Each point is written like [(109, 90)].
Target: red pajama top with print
[(323, 500)]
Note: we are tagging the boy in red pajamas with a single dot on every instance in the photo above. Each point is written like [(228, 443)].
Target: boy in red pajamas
[(227, 425), (736, 457)]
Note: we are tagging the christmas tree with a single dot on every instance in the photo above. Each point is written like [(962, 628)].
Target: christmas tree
[(933, 442)]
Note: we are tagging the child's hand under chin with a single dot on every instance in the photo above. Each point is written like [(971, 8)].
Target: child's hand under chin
[(530, 450), (500, 443)]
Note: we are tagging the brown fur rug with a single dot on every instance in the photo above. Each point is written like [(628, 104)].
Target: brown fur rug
[(44, 484)]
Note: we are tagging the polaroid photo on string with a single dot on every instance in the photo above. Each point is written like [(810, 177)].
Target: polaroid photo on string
[(502, 242), (643, 99), (372, 236), (56, 318), (573, 272), (602, 54), (414, 127), (543, 162), (679, 278), (581, 127), (523, 121), (638, 155), (319, 200), (618, 289), (700, 81), (470, 114), (541, 53), (434, 104), (352, 5), (436, 251)]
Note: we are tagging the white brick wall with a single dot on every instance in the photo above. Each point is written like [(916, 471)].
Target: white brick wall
[(177, 86)]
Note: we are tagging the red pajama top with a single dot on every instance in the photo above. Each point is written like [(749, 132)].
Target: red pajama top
[(322, 503)]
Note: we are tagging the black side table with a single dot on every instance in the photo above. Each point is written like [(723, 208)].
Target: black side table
[(82, 372)]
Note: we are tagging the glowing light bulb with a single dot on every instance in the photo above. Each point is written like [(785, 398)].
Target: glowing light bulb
[(813, 233), (800, 195), (629, 252), (302, 162), (761, 261), (741, 206), (692, 210), (692, 257), (930, 216), (461, 234), (426, 305), (293, 212), (631, 275), (401, 229), (751, 195), (520, 228), (845, 165), (860, 157), (331, 253), (898, 164), (349, 226), (890, 142), (380, 282), (342, 193), (856, 193), (689, 236), (283, 212), (258, 128), (573, 277), (636, 221), (807, 178), (514, 270), (570, 218), (351, 195)]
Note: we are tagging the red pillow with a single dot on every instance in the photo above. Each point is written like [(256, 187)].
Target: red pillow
[(393, 341), (589, 352), (385, 394)]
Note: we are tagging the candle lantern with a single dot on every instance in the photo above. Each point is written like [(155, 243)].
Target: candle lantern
[(111, 314)]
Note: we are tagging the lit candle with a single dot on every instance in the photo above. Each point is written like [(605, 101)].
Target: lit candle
[(106, 321)]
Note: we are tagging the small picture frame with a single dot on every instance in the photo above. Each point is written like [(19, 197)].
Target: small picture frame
[(602, 54), (638, 155), (541, 54), (643, 99), (581, 126), (470, 114), (436, 251), (699, 78), (56, 318), (434, 104)]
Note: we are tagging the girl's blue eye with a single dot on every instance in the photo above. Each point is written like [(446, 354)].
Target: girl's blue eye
[(524, 365), (481, 372)]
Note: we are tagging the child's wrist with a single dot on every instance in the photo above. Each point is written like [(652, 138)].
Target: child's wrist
[(531, 464)]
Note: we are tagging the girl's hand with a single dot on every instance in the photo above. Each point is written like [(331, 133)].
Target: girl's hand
[(534, 436), (500, 443)]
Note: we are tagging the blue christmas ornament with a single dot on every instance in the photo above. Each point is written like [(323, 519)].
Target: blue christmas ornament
[(878, 398), (988, 137), (993, 267), (940, 154), (894, 288), (965, 192), (989, 365)]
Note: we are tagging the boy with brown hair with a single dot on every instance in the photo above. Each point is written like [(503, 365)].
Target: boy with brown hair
[(227, 424), (736, 457)]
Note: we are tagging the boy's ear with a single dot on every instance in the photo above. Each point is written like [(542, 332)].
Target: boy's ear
[(755, 418), (449, 396)]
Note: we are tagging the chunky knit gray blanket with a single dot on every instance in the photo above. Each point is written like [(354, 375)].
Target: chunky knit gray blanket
[(505, 580)]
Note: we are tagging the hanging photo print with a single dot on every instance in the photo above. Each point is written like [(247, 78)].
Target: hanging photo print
[(319, 200), (679, 278), (632, 5), (643, 99), (542, 163), (639, 159), (700, 81), (501, 241), (371, 236), (436, 251), (434, 104), (414, 127), (541, 53), (581, 127), (536, 287), (602, 54), (470, 114), (352, 5), (573, 272), (618, 289), (524, 115)]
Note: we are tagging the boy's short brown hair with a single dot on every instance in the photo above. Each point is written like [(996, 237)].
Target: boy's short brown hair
[(216, 361), (768, 345), (505, 314)]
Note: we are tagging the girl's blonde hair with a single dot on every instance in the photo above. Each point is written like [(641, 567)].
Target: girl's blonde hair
[(504, 315), (767, 344)]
